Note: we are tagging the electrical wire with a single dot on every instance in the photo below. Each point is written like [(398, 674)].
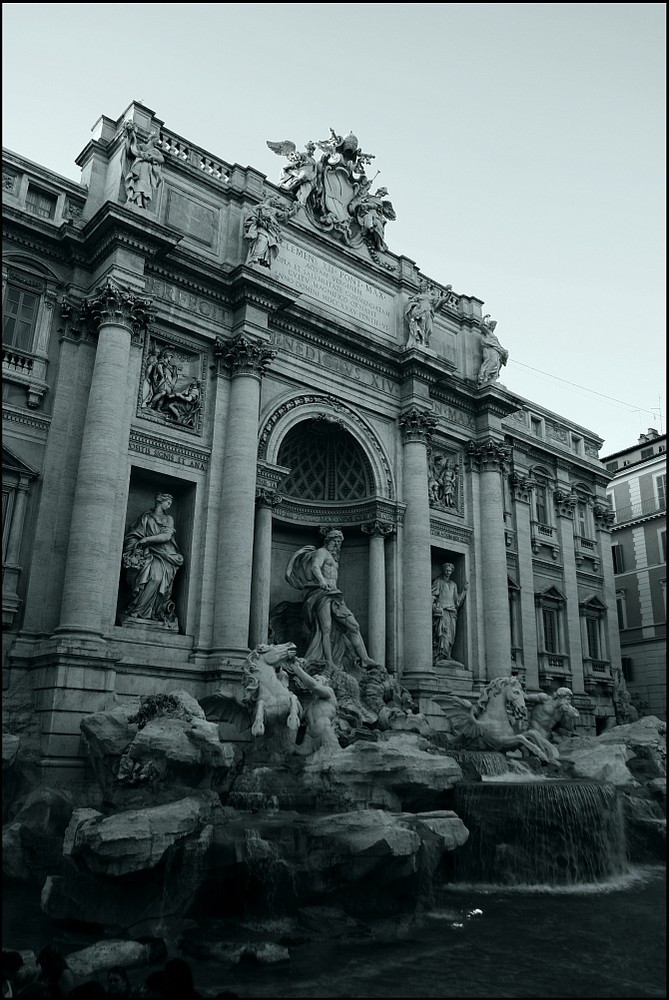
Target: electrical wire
[(629, 406)]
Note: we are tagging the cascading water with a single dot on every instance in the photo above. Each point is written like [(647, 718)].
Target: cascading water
[(540, 833), (488, 763)]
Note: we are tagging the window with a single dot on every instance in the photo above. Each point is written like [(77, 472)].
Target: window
[(592, 633), (662, 540), (550, 606), (541, 503), (19, 318), (536, 425), (661, 490), (621, 609), (611, 466), (618, 560), (550, 623), (647, 452), (582, 519), (41, 202), (626, 664), (593, 619)]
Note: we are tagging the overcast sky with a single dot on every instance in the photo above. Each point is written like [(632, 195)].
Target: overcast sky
[(523, 148)]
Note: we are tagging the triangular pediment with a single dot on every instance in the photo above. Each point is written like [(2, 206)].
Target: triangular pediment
[(12, 463), (552, 594), (592, 604)]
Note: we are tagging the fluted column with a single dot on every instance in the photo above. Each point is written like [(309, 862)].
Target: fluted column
[(417, 427), (376, 629), (266, 500), (488, 460), (116, 313), (246, 360)]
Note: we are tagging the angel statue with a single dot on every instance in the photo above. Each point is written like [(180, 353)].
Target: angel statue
[(299, 174)]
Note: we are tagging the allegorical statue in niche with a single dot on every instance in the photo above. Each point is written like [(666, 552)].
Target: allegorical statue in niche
[(494, 355), (315, 571), (446, 602), (151, 559), (262, 229), (419, 313), (144, 162)]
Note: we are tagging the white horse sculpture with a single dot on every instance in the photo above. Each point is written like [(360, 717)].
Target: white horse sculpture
[(266, 700), (497, 722)]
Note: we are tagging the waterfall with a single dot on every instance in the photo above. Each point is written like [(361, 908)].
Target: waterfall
[(488, 763), (540, 833)]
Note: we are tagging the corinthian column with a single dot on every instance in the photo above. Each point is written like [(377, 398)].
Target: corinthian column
[(115, 313), (266, 500), (417, 427), (488, 460), (247, 360), (376, 628)]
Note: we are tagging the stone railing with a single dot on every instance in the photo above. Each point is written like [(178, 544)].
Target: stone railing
[(17, 360)]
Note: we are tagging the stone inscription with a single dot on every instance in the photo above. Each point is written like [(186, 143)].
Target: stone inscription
[(342, 366), (453, 416), (144, 445), (155, 288), (335, 287)]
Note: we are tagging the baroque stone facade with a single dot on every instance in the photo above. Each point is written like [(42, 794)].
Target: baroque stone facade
[(180, 326)]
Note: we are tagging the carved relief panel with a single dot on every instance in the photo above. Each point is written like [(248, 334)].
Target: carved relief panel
[(444, 479), (172, 385)]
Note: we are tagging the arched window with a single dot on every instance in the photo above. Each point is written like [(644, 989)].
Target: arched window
[(326, 463)]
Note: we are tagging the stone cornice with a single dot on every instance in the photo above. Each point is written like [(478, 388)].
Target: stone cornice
[(117, 225), (15, 414), (338, 514), (349, 347), (247, 286)]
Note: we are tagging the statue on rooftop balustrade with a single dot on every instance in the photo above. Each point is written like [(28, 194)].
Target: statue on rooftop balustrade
[(144, 163), (494, 355)]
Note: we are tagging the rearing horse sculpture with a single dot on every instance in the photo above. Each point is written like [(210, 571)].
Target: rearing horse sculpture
[(498, 721), (267, 698)]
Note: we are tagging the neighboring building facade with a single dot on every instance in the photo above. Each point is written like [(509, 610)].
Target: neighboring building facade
[(253, 356), (638, 493)]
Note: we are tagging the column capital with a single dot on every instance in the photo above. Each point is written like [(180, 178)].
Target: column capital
[(565, 502), (268, 498), (522, 487), (380, 528), (488, 456), (108, 304), (605, 518), (243, 355), (417, 425)]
